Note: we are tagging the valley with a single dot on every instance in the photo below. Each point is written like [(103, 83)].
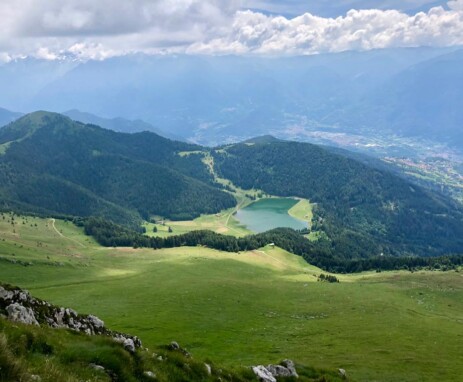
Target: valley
[(171, 257), (248, 307), (241, 191)]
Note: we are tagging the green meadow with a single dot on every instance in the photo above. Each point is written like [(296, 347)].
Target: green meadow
[(247, 308)]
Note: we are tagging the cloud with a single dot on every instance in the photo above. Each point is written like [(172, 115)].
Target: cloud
[(358, 30), (98, 29), (119, 27)]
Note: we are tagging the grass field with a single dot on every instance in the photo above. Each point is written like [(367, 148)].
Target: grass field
[(222, 222), (242, 309), (302, 211)]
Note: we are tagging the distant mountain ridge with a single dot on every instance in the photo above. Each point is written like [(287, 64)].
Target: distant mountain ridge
[(118, 124), (216, 100), (7, 116)]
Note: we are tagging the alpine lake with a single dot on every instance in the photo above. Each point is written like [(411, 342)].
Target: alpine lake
[(267, 214)]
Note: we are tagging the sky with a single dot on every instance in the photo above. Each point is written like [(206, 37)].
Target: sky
[(99, 29)]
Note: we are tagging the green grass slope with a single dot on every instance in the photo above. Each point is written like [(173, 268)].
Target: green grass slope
[(248, 308)]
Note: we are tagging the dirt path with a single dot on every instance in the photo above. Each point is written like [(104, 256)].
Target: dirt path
[(68, 238)]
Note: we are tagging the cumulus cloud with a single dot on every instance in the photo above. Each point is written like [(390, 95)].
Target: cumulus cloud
[(358, 30), (98, 29)]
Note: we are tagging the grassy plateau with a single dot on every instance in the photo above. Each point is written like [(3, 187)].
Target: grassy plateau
[(247, 308)]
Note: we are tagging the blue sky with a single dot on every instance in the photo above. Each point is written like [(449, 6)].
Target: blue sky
[(330, 8)]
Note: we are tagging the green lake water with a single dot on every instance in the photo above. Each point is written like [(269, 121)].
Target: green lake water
[(267, 214)]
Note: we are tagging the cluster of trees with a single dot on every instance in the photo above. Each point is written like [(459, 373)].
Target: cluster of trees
[(110, 234), (328, 278), (363, 210)]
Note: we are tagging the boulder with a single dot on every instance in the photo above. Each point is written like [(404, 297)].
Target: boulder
[(174, 345), (19, 313), (290, 366), (97, 367), (23, 296), (263, 374), (342, 373), (96, 322), (129, 345), (278, 371), (208, 369), (6, 294), (149, 374)]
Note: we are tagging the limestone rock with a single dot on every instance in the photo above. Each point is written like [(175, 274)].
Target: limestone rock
[(19, 313), (263, 374), (149, 374), (342, 373), (22, 307), (290, 366), (278, 371), (129, 345), (6, 294), (97, 367), (208, 368), (95, 321)]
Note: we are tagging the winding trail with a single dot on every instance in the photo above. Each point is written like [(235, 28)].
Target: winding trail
[(68, 238)]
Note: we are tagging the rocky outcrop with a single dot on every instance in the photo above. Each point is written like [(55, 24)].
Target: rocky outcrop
[(271, 372), (262, 374), (19, 306), (18, 313)]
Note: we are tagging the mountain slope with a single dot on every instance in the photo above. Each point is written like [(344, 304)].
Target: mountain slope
[(218, 99), (62, 166), (364, 211), (55, 165), (423, 100), (120, 125), (7, 116)]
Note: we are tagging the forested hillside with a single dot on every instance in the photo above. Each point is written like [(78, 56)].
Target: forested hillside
[(52, 163), (364, 211)]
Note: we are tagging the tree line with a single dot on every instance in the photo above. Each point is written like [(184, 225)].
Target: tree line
[(109, 234)]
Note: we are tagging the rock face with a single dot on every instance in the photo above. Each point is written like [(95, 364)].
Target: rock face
[(290, 366), (19, 313), (19, 306), (262, 374), (271, 372)]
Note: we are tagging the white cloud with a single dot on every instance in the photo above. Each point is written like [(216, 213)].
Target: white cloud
[(98, 29), (358, 30)]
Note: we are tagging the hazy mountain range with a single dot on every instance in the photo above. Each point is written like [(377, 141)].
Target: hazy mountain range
[(211, 100)]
